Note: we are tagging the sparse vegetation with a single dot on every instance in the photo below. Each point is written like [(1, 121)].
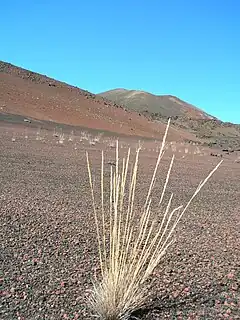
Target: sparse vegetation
[(48, 240), (131, 242)]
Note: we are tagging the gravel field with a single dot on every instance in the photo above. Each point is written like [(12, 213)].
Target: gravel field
[(48, 243)]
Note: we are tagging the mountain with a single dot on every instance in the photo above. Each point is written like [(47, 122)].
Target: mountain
[(185, 116), (25, 93), (29, 94), (164, 105)]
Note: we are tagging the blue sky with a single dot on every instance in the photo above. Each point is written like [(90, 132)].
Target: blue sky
[(186, 48)]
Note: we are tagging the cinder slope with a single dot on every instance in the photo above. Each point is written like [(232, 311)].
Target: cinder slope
[(164, 105), (185, 116), (26, 93)]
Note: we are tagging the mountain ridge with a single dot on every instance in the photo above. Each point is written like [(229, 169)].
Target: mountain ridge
[(167, 105), (184, 115), (30, 94), (35, 96)]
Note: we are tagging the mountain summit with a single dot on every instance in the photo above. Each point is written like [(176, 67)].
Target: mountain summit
[(163, 105), (27, 94), (185, 116)]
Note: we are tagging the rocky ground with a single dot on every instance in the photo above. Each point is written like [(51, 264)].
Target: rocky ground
[(48, 242)]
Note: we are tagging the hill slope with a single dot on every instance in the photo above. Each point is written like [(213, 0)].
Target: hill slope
[(164, 105), (29, 94), (185, 116)]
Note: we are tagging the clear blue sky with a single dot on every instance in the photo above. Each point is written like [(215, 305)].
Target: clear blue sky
[(187, 48)]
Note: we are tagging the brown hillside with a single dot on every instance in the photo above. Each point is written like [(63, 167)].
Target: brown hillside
[(29, 94), (206, 128), (164, 105)]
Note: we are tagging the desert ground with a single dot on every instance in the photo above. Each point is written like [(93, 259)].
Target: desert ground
[(48, 238)]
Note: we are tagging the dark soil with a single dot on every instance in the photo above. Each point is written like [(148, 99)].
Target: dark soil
[(48, 242)]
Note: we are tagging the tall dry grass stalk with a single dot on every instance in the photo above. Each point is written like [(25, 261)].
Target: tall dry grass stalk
[(131, 240)]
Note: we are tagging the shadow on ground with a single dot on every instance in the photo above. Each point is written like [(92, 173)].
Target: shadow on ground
[(161, 304)]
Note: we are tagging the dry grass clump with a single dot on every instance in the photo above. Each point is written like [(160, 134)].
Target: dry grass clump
[(131, 240)]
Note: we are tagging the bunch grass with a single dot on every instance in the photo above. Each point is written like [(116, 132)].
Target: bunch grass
[(131, 240)]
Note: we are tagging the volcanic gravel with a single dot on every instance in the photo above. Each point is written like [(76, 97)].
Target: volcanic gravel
[(48, 242)]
